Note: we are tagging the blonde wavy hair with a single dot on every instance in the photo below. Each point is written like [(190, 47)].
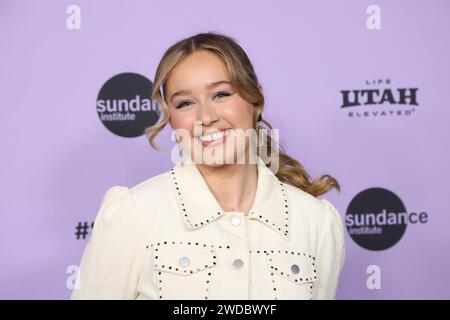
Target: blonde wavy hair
[(245, 82)]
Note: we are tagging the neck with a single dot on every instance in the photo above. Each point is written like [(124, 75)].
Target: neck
[(233, 185)]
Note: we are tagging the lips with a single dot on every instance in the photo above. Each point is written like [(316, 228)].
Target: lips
[(212, 131), (216, 137)]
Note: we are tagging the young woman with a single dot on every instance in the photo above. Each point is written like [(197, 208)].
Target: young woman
[(222, 223)]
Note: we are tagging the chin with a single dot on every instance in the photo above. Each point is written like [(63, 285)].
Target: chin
[(215, 161)]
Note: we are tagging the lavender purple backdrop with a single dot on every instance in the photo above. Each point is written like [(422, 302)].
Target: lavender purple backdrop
[(58, 158)]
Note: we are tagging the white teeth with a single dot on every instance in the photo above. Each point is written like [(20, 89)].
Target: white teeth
[(212, 137)]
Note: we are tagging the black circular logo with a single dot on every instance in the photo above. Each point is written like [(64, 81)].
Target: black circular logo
[(376, 219), (124, 105)]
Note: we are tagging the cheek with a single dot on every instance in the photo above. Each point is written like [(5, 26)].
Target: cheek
[(180, 120), (239, 113)]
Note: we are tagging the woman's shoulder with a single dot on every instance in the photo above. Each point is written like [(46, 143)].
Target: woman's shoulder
[(151, 185), (119, 194), (319, 210), (123, 205)]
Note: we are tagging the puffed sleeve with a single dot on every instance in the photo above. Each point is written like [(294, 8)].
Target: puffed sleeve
[(330, 255), (110, 261)]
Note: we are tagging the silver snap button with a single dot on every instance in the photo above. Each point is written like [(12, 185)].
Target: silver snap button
[(184, 261), (238, 263), (235, 220), (295, 269)]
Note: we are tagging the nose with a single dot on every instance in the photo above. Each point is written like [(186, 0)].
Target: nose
[(207, 114)]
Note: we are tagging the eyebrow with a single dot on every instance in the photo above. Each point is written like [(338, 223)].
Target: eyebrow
[(208, 86)]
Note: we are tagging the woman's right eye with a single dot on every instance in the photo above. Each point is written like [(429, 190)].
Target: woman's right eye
[(182, 104)]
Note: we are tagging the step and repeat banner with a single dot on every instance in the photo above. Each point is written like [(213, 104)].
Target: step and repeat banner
[(358, 90)]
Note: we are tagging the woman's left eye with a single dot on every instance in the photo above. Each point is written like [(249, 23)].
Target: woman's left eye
[(222, 93)]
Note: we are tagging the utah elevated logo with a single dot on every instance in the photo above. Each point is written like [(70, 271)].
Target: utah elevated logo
[(379, 99)]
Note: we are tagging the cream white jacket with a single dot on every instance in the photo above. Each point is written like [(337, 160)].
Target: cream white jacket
[(168, 238)]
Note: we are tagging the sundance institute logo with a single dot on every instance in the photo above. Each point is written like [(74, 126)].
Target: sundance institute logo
[(379, 99), (124, 105), (377, 219)]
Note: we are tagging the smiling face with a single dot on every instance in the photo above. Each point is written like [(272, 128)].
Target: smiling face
[(203, 104)]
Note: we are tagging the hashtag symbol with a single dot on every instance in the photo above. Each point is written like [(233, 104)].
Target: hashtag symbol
[(82, 230)]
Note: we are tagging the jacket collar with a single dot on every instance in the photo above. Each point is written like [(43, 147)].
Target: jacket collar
[(199, 207)]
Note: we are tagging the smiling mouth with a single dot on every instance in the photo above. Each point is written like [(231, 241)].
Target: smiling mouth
[(214, 138)]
